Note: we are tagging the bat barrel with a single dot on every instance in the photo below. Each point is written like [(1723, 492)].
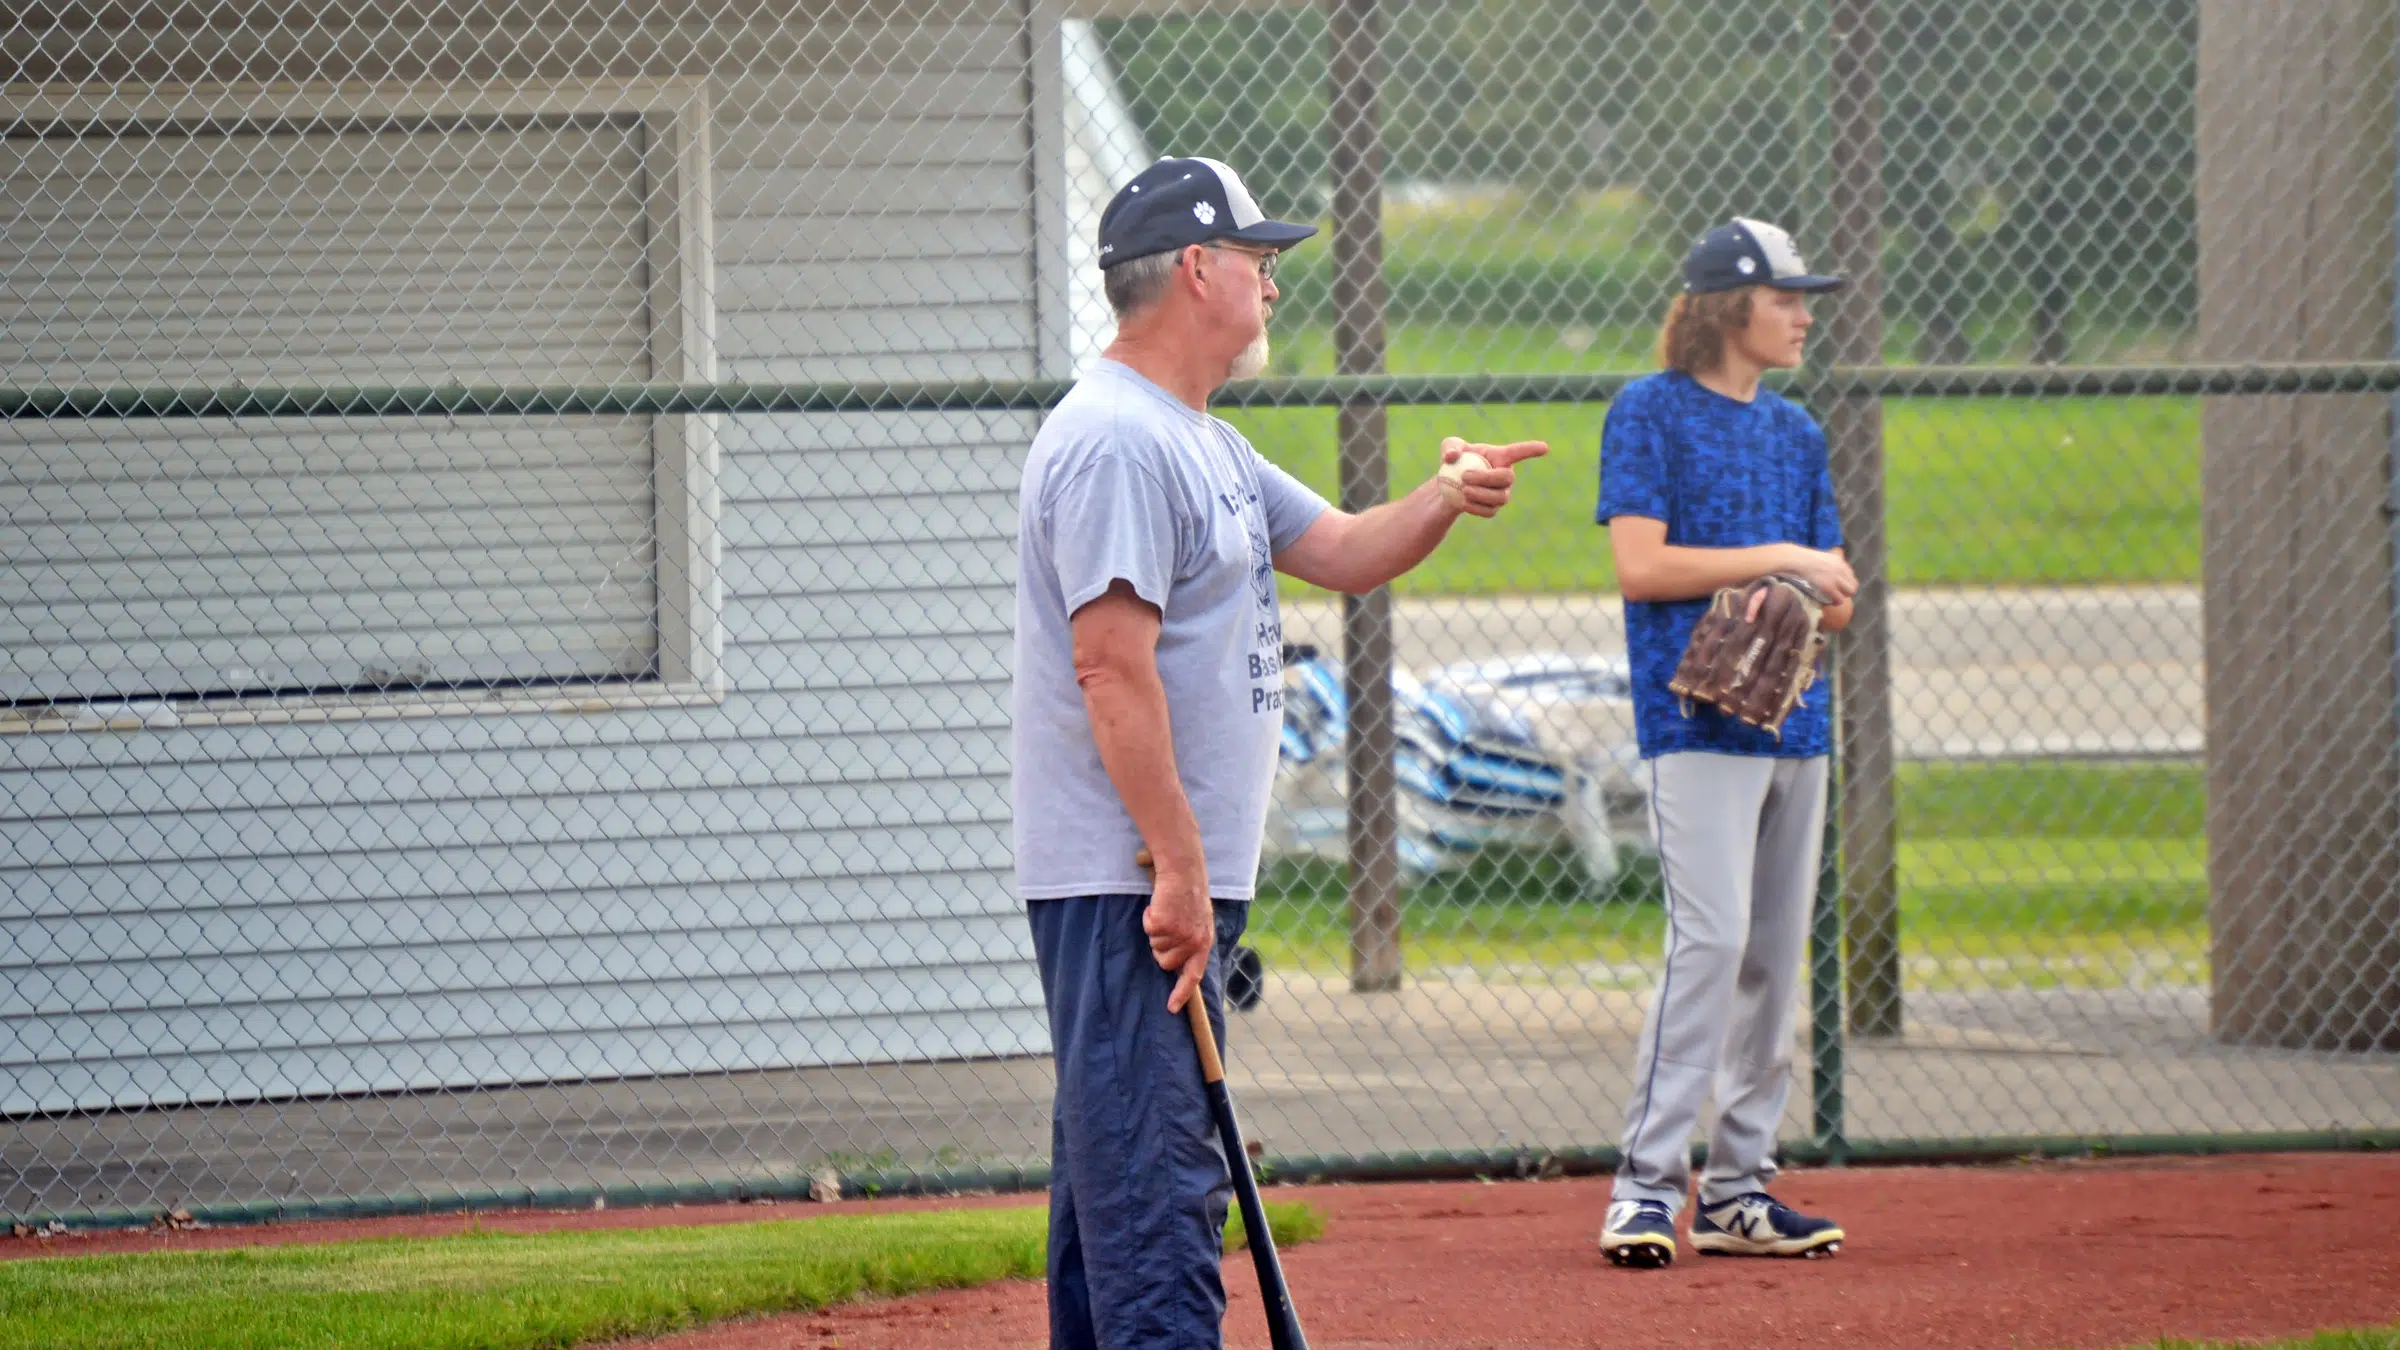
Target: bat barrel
[(1283, 1320)]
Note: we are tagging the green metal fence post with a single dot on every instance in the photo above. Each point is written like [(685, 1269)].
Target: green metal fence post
[(1854, 437), (1825, 985), (1825, 1014), (1829, 1138), (1367, 651)]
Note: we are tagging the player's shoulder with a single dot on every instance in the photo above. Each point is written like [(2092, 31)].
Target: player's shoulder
[(1101, 421), (1789, 416), (1644, 408), (1228, 433), (1652, 392)]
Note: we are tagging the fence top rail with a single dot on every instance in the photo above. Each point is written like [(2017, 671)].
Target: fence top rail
[(633, 399)]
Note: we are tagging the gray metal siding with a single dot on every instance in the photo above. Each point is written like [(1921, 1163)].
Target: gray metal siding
[(180, 557), (814, 871)]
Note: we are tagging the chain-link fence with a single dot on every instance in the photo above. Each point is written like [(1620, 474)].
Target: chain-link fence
[(508, 698)]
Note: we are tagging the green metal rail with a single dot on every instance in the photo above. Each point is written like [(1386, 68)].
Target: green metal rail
[(637, 399)]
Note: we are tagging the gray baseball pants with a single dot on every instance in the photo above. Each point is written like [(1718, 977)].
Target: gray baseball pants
[(1739, 838)]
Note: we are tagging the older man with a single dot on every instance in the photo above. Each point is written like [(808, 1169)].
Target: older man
[(1148, 704)]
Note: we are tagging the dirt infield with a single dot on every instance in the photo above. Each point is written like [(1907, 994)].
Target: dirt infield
[(2037, 1257), (2033, 1257)]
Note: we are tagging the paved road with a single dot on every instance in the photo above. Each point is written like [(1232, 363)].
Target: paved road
[(2101, 671)]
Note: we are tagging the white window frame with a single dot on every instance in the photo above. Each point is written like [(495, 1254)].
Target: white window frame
[(682, 311)]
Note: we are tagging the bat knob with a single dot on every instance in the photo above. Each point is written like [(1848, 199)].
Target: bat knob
[(1141, 858)]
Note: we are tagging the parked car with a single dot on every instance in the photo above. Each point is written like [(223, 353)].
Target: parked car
[(1523, 750)]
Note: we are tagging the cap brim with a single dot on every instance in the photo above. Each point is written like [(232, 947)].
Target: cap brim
[(1814, 285), (1272, 233)]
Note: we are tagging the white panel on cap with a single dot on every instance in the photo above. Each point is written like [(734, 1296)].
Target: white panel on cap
[(1245, 210), (1783, 260)]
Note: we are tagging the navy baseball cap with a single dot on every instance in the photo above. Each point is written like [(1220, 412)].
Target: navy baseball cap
[(1179, 202), (1745, 252)]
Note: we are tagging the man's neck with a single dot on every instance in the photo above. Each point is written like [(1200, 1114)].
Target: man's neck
[(1168, 369), (1736, 377)]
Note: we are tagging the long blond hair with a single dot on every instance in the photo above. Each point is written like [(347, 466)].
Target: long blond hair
[(1692, 339)]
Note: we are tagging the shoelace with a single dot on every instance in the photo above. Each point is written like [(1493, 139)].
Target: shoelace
[(1777, 1211)]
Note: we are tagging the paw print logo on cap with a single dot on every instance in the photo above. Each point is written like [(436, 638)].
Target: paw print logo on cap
[(1204, 213)]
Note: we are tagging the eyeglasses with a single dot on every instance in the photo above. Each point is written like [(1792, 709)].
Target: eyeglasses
[(1265, 260)]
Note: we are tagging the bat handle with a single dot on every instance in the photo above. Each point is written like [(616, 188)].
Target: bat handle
[(1204, 1036)]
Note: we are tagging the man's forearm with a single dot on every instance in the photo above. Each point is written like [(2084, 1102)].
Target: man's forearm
[(1128, 712), (1384, 541)]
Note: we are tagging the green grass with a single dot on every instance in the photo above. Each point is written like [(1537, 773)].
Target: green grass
[(1503, 225), (2052, 800), (1507, 909), (1478, 349), (2352, 1338), (1980, 492), (2018, 874), (1289, 1223), (496, 1291)]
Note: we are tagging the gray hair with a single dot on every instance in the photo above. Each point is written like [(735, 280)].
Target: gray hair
[(1138, 283)]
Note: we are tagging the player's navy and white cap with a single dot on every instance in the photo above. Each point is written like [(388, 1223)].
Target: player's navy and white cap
[(1179, 202), (1746, 252)]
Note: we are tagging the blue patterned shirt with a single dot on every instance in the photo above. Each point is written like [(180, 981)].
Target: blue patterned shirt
[(1721, 474)]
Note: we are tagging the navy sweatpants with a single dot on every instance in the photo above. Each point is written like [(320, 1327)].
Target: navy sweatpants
[(1138, 1179)]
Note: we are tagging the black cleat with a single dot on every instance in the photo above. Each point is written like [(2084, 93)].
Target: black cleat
[(1639, 1235), (1758, 1224)]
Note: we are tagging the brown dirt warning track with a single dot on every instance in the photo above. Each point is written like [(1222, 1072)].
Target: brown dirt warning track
[(2042, 1257)]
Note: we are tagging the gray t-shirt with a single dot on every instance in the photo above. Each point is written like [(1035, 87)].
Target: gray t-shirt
[(1127, 483)]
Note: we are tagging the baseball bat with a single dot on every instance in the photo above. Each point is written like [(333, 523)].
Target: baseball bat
[(1283, 1320)]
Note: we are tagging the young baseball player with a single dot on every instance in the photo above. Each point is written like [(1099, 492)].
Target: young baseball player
[(1148, 709), (1708, 480)]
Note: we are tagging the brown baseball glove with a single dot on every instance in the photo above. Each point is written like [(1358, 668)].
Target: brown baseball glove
[(1755, 651)]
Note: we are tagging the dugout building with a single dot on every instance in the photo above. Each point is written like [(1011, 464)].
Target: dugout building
[(365, 754)]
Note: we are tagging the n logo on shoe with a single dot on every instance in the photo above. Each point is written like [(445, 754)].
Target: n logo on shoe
[(1747, 1221)]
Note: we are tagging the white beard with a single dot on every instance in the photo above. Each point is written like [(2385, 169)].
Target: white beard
[(1252, 361)]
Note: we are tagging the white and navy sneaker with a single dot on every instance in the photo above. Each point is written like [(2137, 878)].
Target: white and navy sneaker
[(1640, 1234), (1757, 1224)]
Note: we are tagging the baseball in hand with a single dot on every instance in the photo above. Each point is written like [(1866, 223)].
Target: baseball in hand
[(1452, 475)]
